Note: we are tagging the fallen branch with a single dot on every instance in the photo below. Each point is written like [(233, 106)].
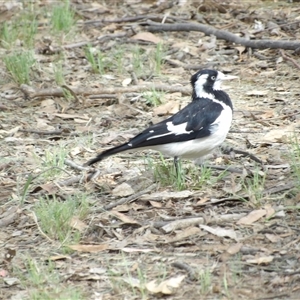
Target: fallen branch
[(183, 223), (225, 35), (30, 92), (43, 132), (284, 56), (227, 150), (183, 266), (128, 199)]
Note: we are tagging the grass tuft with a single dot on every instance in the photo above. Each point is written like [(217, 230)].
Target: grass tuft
[(42, 281), (55, 216), (295, 158), (19, 66), (62, 17)]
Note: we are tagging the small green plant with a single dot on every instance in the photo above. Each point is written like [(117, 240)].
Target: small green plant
[(166, 172), (158, 58), (55, 216), (54, 160), (205, 281), (19, 66), (9, 34), (24, 28), (58, 74), (295, 158), (137, 60), (98, 61), (62, 17), (42, 281), (118, 59), (255, 186), (153, 98)]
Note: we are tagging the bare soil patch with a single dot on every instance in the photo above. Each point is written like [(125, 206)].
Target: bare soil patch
[(130, 229)]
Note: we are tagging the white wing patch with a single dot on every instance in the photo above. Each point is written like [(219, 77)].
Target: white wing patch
[(173, 129)]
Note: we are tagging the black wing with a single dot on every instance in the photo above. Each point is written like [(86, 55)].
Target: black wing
[(195, 120), (198, 117)]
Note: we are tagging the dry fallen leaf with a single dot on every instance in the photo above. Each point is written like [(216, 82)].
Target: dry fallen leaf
[(59, 257), (221, 232), (272, 237), (147, 36), (76, 223), (132, 250), (122, 190), (252, 217), (184, 234), (261, 260), (257, 93), (233, 249), (165, 195), (125, 219), (171, 107), (166, 287), (89, 248)]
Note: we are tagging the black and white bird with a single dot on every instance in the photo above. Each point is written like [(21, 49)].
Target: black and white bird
[(194, 131)]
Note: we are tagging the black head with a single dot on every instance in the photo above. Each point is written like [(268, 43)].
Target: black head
[(205, 82)]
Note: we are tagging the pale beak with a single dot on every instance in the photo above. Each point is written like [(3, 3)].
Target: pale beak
[(229, 77), (221, 76)]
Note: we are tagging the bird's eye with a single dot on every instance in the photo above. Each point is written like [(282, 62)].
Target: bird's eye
[(213, 77)]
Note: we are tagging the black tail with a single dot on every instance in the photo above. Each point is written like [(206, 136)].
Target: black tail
[(107, 153)]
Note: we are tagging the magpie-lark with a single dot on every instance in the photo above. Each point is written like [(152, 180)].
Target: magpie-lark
[(194, 131)]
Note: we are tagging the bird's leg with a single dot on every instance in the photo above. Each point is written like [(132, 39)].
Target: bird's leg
[(177, 169)]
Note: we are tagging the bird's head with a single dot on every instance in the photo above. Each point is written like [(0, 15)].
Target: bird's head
[(205, 82)]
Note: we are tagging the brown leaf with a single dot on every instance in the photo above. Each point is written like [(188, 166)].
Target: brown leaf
[(131, 250), (122, 190), (221, 232), (233, 249), (168, 108), (182, 235), (72, 116), (166, 287), (252, 217), (89, 248), (272, 237), (147, 36), (59, 257), (261, 260), (125, 219), (76, 223)]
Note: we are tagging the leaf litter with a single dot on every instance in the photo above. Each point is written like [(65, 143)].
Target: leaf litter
[(239, 226)]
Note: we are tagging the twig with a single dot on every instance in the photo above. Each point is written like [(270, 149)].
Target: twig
[(228, 150), (280, 188), (75, 166), (183, 223), (225, 35), (39, 228), (30, 92), (71, 91), (133, 19), (42, 132), (183, 266), (128, 199), (224, 168), (284, 56), (75, 179)]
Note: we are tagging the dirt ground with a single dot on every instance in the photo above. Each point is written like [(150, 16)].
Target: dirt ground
[(134, 230)]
